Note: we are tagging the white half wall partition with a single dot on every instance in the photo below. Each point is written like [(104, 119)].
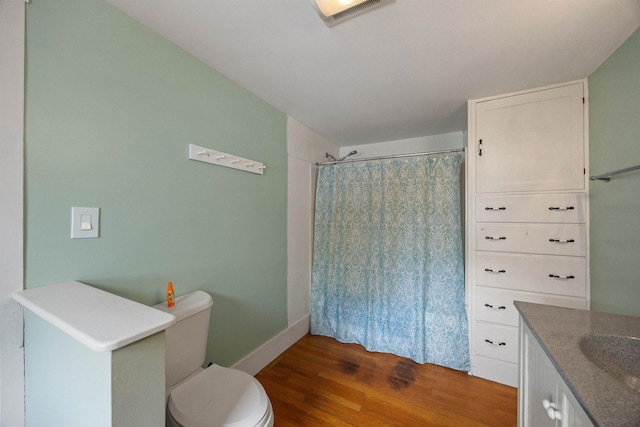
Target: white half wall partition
[(304, 149)]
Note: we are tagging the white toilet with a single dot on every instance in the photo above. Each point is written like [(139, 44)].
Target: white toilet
[(211, 397)]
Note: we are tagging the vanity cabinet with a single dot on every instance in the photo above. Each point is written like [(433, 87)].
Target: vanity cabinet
[(527, 215), (544, 399)]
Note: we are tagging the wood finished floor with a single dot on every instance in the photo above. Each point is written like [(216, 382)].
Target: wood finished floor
[(321, 382)]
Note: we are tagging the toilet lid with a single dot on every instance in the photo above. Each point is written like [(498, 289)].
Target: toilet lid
[(220, 396)]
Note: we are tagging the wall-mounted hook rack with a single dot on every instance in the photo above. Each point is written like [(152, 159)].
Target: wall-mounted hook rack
[(219, 158)]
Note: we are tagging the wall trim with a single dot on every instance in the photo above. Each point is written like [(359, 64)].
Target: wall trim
[(12, 48), (269, 351)]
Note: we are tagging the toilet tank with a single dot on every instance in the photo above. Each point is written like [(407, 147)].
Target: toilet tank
[(186, 341)]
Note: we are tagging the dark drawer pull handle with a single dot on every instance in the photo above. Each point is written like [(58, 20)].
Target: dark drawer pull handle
[(495, 343), (568, 208), (561, 241), (502, 307), (494, 271), (495, 238), (501, 208), (555, 276)]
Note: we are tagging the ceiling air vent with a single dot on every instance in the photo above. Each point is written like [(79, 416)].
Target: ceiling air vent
[(334, 12)]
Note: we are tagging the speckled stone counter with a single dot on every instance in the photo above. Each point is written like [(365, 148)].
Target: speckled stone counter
[(608, 401)]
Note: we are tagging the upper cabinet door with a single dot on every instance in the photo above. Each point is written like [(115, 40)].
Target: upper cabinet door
[(531, 142)]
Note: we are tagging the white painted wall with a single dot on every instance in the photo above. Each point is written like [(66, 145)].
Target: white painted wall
[(304, 148), (12, 29), (299, 237)]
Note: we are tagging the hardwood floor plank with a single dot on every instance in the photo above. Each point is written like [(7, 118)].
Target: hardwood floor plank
[(321, 382)]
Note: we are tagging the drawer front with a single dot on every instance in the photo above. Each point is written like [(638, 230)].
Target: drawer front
[(559, 275), (496, 305), (496, 341), (549, 239), (495, 370), (544, 208)]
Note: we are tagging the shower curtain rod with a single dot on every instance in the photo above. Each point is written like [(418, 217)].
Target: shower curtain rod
[(397, 156)]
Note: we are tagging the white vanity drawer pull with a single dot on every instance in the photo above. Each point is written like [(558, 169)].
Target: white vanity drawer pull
[(502, 307), (501, 208), (568, 208), (495, 343), (490, 270), (495, 238), (561, 241), (555, 276)]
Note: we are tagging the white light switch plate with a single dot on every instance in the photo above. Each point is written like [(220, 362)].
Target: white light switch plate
[(85, 223)]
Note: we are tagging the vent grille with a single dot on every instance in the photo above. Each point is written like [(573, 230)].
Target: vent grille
[(352, 12)]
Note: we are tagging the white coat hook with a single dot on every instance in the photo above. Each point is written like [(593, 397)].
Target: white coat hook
[(218, 158)]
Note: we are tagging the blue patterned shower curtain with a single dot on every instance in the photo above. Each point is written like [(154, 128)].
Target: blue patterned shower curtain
[(387, 261)]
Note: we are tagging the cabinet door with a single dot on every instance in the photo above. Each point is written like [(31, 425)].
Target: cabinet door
[(531, 142), (572, 413), (539, 384)]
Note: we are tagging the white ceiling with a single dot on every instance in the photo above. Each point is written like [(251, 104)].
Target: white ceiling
[(400, 71)]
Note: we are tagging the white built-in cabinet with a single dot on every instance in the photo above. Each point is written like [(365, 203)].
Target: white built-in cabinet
[(527, 215), (545, 400), (531, 141)]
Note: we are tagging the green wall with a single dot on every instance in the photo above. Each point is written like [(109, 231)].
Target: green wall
[(110, 110), (69, 387), (614, 127), (74, 386)]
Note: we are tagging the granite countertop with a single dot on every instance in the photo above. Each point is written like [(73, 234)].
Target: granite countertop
[(608, 401)]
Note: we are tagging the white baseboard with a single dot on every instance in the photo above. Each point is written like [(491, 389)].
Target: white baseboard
[(269, 351)]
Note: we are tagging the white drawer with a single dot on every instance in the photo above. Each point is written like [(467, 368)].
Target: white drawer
[(496, 341), (495, 370), (545, 208), (559, 275), (552, 239), (496, 305)]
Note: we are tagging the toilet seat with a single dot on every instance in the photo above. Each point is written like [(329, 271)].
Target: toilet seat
[(219, 397)]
